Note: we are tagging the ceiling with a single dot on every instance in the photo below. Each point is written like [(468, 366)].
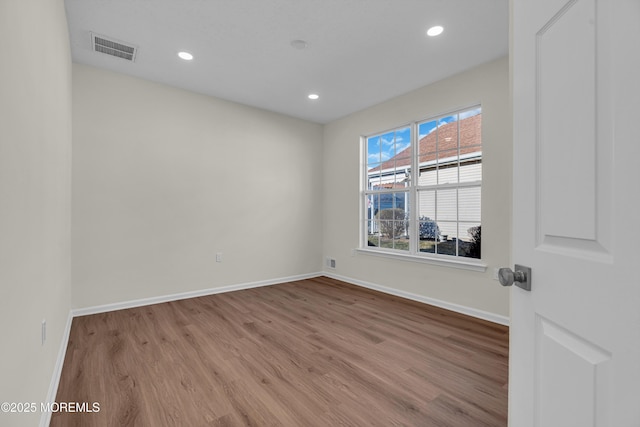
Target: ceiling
[(358, 53)]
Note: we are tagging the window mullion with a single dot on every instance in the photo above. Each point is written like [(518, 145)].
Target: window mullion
[(364, 197), (458, 186), (414, 226)]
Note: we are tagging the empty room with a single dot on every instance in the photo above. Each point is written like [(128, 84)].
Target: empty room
[(318, 213)]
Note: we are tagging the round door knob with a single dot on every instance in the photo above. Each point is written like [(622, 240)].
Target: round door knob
[(507, 277)]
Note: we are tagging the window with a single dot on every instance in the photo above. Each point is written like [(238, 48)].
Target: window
[(422, 187)]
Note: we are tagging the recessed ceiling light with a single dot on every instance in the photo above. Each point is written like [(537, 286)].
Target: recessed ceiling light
[(185, 55), (435, 31), (299, 44), (313, 96)]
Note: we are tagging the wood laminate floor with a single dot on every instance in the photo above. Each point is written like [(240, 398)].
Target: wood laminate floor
[(316, 352)]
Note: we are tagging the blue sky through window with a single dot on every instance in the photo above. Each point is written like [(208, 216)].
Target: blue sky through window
[(381, 148), (426, 128)]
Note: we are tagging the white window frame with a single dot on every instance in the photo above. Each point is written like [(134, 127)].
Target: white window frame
[(413, 254)]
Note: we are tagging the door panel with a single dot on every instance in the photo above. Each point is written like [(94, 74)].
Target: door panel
[(575, 338), (572, 374), (573, 150), (566, 121)]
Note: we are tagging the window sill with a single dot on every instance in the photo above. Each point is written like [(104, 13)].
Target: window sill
[(442, 260)]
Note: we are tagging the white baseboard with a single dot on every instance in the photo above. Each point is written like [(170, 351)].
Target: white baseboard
[(45, 417), (473, 312), (191, 294)]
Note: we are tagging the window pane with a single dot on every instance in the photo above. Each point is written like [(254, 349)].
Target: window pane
[(400, 237), (392, 218), (448, 230), (373, 177), (470, 239), (448, 174), (471, 131), (448, 157), (467, 231), (471, 171), (428, 246), (373, 236), (402, 173), (403, 142), (371, 207), (428, 160), (428, 176), (448, 166), (390, 180), (428, 230), (388, 147), (402, 179), (373, 151), (448, 133), (402, 165), (469, 204), (390, 201), (427, 204), (429, 234), (449, 238), (446, 205), (427, 136)]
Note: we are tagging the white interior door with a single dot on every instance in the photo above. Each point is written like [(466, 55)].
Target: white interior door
[(575, 338)]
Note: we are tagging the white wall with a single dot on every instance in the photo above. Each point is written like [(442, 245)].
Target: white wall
[(35, 191), (487, 85), (163, 179)]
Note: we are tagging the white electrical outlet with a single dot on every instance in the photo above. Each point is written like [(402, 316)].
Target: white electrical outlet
[(219, 257), (495, 273), (43, 331), (353, 252)]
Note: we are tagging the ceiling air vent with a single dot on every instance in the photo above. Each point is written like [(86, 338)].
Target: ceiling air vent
[(113, 47)]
